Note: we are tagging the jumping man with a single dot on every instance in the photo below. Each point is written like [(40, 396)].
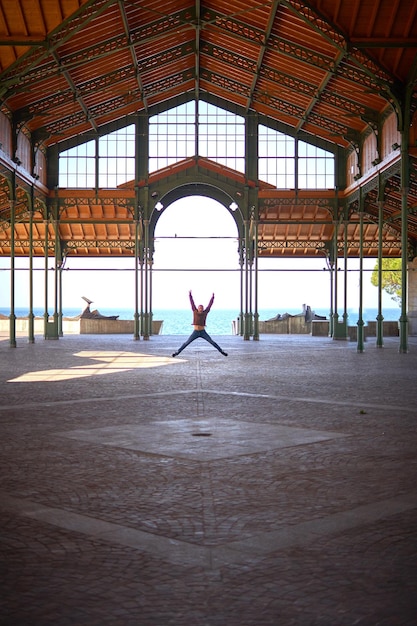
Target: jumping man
[(199, 322)]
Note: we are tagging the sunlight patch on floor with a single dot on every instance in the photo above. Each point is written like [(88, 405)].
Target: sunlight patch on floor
[(110, 362)]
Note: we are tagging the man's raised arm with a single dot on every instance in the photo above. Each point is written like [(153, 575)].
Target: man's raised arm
[(193, 306)]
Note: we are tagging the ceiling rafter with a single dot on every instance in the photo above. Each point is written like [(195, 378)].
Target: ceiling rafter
[(364, 62), (319, 22), (197, 43), (159, 87), (319, 92), (105, 82), (263, 48), (132, 52), (35, 56), (76, 94), (296, 51)]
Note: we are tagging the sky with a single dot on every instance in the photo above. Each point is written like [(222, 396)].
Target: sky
[(209, 264)]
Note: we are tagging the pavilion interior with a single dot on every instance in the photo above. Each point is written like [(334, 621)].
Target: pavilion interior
[(274, 486)]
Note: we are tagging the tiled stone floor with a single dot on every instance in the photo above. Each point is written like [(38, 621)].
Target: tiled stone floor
[(274, 487)]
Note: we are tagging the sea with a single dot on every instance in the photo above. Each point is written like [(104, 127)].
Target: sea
[(219, 322)]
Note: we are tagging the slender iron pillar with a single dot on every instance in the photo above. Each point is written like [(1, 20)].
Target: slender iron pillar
[(256, 313), (335, 291), (46, 314), (241, 316), (56, 279), (12, 317), (31, 316), (380, 317), (136, 330), (146, 332), (60, 313), (404, 243), (330, 268), (360, 345), (345, 279), (247, 323)]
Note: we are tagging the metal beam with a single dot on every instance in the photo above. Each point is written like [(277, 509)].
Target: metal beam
[(264, 46), (35, 56)]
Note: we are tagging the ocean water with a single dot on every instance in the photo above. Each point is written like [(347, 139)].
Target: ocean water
[(219, 322)]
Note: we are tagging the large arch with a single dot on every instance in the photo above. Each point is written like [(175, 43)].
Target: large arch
[(196, 248), (240, 202), (221, 194)]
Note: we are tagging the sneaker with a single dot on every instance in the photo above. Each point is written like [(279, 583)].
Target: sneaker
[(175, 354), (224, 353)]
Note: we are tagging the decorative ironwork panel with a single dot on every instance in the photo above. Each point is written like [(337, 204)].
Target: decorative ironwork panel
[(280, 105), (335, 37), (235, 27), (18, 72), (168, 83), (299, 53), (100, 244), (168, 56), (225, 83), (168, 23), (291, 245), (231, 58)]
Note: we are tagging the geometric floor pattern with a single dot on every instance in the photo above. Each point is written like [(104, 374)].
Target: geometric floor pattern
[(276, 486), (201, 439)]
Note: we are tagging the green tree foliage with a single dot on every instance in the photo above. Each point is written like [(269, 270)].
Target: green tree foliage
[(391, 277)]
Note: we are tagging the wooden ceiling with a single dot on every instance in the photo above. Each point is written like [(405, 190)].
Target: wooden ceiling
[(326, 68)]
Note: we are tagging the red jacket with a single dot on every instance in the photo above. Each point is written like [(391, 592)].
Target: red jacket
[(199, 319)]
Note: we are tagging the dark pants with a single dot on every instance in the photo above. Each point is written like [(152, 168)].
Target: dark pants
[(195, 335)]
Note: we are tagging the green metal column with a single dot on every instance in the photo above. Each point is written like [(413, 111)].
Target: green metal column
[(250, 213), (329, 263), (360, 344), (60, 257), (136, 330), (404, 242), (57, 262), (60, 312), (46, 313), (250, 287), (31, 316), (146, 332), (335, 284), (12, 317), (339, 328), (142, 208), (380, 317), (150, 293), (241, 273), (142, 295), (345, 279), (247, 320), (255, 239), (138, 220)]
